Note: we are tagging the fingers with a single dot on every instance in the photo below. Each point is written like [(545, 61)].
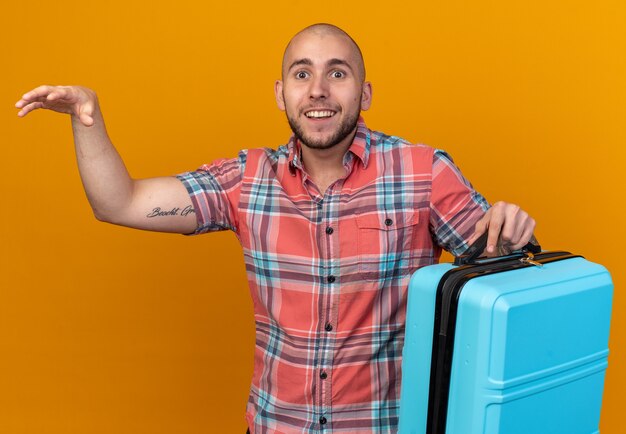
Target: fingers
[(29, 107), (41, 94), (526, 229), (495, 226), (508, 225), (37, 98), (518, 227), (73, 100), (35, 94)]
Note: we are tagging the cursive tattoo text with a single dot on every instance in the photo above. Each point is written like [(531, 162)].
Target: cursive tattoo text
[(158, 212)]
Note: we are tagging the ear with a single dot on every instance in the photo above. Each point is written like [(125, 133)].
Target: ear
[(366, 95), (278, 93)]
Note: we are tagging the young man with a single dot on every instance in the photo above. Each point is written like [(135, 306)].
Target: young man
[(332, 226)]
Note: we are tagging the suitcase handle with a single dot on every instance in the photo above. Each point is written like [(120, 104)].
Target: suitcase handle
[(476, 249)]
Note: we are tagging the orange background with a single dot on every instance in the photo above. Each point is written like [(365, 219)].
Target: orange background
[(110, 330)]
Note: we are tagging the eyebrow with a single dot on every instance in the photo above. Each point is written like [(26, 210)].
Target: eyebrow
[(299, 62), (309, 62), (334, 62)]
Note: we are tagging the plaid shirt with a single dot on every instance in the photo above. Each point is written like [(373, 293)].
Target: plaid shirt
[(328, 273)]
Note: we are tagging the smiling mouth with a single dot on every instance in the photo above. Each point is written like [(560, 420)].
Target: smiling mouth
[(319, 114)]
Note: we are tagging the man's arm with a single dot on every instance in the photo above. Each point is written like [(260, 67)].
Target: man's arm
[(158, 204), (460, 215)]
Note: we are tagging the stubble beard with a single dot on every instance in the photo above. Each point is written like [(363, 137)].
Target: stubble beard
[(346, 127)]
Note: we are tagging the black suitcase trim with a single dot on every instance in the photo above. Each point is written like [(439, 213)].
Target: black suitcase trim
[(448, 292)]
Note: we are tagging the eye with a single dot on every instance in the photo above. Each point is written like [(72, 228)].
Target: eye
[(301, 75), (338, 74)]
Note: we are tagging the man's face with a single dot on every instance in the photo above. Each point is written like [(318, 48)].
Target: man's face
[(322, 90)]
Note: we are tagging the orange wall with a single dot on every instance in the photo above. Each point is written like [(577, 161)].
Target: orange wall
[(109, 330)]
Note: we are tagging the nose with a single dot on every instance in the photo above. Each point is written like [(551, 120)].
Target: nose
[(319, 88)]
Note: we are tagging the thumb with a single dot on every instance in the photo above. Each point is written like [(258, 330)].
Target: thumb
[(86, 120), (85, 114)]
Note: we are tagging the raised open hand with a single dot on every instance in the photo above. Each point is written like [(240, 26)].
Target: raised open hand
[(77, 101)]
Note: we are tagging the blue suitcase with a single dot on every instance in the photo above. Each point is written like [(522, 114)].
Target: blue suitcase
[(511, 345)]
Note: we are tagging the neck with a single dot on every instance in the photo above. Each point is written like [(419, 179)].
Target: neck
[(326, 160), (325, 166)]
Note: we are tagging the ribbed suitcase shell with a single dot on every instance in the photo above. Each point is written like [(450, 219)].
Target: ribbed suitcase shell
[(529, 353)]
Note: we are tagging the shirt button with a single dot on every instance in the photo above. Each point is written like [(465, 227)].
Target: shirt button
[(388, 222), (330, 279), (323, 375), (323, 420), (329, 230), (328, 327)]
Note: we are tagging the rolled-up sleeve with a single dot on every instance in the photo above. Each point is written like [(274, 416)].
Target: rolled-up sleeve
[(214, 191), (455, 205)]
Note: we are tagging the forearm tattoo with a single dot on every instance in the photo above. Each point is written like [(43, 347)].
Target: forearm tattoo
[(182, 212)]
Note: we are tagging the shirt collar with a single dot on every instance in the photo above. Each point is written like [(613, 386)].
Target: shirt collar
[(362, 142), (360, 147)]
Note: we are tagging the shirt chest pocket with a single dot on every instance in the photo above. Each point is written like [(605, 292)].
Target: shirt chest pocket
[(385, 241)]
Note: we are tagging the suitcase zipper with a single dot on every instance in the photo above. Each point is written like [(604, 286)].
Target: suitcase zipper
[(529, 259)]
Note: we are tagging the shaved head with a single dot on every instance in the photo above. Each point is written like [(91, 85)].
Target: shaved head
[(323, 87), (322, 30)]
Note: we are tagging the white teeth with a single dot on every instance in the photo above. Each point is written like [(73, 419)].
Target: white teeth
[(319, 114)]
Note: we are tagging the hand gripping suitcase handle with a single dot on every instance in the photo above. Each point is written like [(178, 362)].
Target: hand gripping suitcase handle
[(474, 251)]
